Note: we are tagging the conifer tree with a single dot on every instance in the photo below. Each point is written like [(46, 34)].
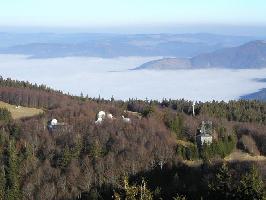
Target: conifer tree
[(66, 157), (13, 187), (251, 186), (2, 183), (5, 115), (221, 187), (96, 149)]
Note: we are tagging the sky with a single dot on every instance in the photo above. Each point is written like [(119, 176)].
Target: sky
[(104, 14)]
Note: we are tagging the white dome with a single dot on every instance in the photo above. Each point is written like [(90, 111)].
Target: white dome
[(101, 114), (99, 120), (125, 119), (109, 116), (54, 122)]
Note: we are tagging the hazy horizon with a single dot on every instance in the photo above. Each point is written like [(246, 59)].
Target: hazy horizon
[(119, 16), (174, 29)]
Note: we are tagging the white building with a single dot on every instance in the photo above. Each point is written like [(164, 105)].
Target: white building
[(204, 138), (205, 133)]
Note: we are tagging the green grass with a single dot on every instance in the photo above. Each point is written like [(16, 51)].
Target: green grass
[(20, 112)]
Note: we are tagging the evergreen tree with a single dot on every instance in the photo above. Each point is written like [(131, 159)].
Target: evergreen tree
[(5, 115), (13, 187), (14, 130), (175, 124), (96, 150), (2, 183), (251, 186), (222, 186), (66, 157)]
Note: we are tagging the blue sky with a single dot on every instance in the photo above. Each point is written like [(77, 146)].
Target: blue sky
[(117, 13)]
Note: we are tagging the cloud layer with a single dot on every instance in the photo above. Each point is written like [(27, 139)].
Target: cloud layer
[(107, 77)]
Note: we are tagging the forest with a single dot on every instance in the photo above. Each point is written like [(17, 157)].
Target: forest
[(155, 156)]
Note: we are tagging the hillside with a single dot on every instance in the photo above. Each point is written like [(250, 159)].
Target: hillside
[(260, 95), (167, 64), (247, 56), (250, 55), (78, 158)]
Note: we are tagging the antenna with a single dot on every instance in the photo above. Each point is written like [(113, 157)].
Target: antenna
[(193, 108)]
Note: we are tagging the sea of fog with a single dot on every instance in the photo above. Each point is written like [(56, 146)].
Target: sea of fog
[(111, 77)]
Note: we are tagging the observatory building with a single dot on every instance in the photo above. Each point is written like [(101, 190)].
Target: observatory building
[(53, 125), (205, 133)]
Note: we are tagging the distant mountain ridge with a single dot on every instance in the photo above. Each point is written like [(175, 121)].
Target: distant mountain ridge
[(249, 55), (260, 95), (50, 45), (167, 63)]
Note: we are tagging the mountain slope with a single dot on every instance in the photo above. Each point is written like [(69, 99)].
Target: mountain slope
[(260, 95), (167, 64), (249, 55), (92, 159)]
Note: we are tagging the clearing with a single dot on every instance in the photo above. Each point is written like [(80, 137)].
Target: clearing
[(18, 112), (242, 156)]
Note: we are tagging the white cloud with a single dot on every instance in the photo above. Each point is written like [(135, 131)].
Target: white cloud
[(93, 76)]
